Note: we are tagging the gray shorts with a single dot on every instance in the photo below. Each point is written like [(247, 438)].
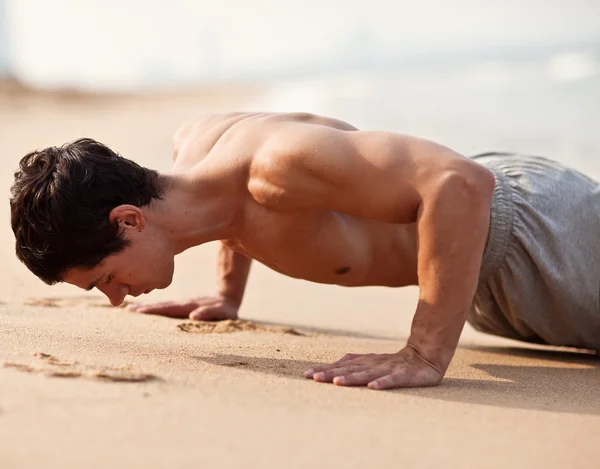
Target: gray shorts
[(540, 277)]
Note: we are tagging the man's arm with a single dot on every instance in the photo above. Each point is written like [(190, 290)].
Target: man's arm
[(398, 179), (232, 274)]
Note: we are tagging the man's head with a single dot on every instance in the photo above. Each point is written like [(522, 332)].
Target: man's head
[(76, 212)]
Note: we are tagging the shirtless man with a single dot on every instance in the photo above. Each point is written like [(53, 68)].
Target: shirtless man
[(316, 199)]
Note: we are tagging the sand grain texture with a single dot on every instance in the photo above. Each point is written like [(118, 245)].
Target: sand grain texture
[(233, 325), (51, 366)]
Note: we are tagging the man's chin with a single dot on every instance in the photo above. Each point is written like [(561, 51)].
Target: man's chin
[(160, 287), (165, 285)]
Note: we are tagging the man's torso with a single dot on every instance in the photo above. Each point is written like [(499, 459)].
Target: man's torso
[(273, 226)]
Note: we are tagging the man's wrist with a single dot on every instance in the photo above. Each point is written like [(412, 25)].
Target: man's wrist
[(435, 332), (436, 355), (234, 299)]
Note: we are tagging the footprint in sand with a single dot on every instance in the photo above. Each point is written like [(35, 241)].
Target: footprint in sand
[(53, 367), (64, 302), (232, 325)]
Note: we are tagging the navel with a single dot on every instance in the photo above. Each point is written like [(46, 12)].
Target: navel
[(342, 270)]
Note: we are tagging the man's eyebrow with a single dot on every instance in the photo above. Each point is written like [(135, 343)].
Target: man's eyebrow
[(94, 283)]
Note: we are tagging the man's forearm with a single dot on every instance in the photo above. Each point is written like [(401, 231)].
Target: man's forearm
[(232, 273), (452, 228)]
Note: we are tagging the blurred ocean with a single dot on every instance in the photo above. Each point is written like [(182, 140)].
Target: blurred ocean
[(549, 106)]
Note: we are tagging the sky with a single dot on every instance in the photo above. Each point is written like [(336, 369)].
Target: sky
[(115, 44)]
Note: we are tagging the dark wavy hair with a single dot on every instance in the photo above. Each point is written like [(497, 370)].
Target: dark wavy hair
[(61, 201)]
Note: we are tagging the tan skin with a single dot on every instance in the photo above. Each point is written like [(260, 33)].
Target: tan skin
[(316, 199)]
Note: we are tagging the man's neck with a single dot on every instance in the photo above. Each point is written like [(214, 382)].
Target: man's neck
[(192, 211)]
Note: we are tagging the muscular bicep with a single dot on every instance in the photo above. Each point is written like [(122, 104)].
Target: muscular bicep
[(378, 175)]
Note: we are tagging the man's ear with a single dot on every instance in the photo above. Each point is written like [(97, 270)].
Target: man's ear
[(127, 216)]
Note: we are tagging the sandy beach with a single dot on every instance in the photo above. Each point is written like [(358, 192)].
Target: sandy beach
[(87, 385)]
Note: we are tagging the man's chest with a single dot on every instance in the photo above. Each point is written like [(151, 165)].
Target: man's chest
[(325, 247)]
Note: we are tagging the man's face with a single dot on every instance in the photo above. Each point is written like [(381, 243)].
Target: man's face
[(143, 266)]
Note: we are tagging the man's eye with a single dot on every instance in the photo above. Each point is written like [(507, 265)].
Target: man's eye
[(109, 278)]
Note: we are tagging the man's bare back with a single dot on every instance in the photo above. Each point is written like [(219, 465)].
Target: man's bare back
[(314, 198)]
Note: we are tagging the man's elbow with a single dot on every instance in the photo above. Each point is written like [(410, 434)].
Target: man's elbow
[(478, 179), (471, 183)]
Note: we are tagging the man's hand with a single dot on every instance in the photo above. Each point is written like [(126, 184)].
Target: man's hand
[(208, 308), (405, 369)]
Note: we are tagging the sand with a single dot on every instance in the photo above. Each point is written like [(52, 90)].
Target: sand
[(86, 385)]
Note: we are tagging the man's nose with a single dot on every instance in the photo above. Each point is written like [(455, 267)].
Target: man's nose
[(115, 293)]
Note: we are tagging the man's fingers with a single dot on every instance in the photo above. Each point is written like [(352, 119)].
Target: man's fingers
[(140, 308), (208, 313), (201, 314), (358, 378), (328, 375), (401, 379), (170, 309), (317, 369), (405, 379)]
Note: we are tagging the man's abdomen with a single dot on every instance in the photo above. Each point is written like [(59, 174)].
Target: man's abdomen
[(330, 247)]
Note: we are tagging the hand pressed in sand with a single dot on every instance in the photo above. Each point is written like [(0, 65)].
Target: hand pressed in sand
[(404, 369), (207, 308)]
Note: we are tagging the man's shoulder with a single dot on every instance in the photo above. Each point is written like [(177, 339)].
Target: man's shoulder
[(216, 124)]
